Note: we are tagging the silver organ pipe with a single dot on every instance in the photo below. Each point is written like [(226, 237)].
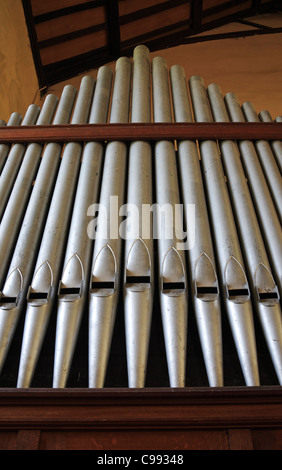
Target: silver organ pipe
[(18, 199), (265, 208), (162, 247), (235, 287), (139, 249), (265, 292), (267, 161), (14, 120), (276, 145), (74, 282), (200, 256), (14, 159), (172, 271), (14, 291), (106, 261), (43, 288)]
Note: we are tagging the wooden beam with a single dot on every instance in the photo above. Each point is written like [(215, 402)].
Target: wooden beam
[(112, 12), (140, 131)]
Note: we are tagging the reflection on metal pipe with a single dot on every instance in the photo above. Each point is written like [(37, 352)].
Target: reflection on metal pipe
[(235, 288), (173, 287), (14, 120), (267, 161), (265, 293), (105, 270), (265, 210), (139, 260), (74, 283), (202, 266), (18, 200), (43, 289), (13, 298), (14, 159)]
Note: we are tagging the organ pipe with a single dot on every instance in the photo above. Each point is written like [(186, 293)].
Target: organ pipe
[(107, 231)]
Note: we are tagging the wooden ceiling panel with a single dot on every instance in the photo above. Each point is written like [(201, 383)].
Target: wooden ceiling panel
[(67, 24), (231, 8), (130, 6), (156, 22), (69, 37), (40, 7), (67, 49)]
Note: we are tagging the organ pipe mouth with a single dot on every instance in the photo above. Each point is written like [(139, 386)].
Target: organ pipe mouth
[(8, 302), (38, 298), (69, 293)]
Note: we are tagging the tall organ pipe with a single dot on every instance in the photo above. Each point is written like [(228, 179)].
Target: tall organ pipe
[(172, 274), (264, 206), (265, 292), (74, 283), (13, 298), (105, 267), (18, 200), (43, 288), (267, 161), (200, 256), (139, 257), (276, 145), (14, 160), (14, 120), (235, 288)]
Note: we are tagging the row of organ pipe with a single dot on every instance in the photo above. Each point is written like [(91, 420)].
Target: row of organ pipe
[(59, 259)]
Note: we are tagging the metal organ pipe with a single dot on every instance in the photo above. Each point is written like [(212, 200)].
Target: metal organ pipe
[(14, 120), (14, 291), (235, 287), (265, 292), (202, 267), (276, 145), (139, 250), (267, 161), (265, 209), (105, 269), (173, 283), (14, 159), (43, 288), (74, 283), (19, 197), (103, 234)]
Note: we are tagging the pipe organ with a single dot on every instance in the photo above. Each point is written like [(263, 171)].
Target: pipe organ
[(147, 260)]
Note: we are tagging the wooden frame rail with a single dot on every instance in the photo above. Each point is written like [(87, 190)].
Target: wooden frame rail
[(225, 418), (141, 131)]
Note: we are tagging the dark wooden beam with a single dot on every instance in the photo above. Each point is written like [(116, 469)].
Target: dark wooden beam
[(197, 11), (42, 79), (51, 15), (113, 29), (153, 10), (140, 131), (232, 34)]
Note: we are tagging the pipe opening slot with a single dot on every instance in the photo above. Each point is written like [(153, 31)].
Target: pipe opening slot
[(207, 290), (8, 300), (138, 279), (38, 296), (238, 292), (173, 285), (268, 296), (69, 290), (102, 285)]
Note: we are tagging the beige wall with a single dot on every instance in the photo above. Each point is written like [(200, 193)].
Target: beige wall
[(251, 66), (18, 81)]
